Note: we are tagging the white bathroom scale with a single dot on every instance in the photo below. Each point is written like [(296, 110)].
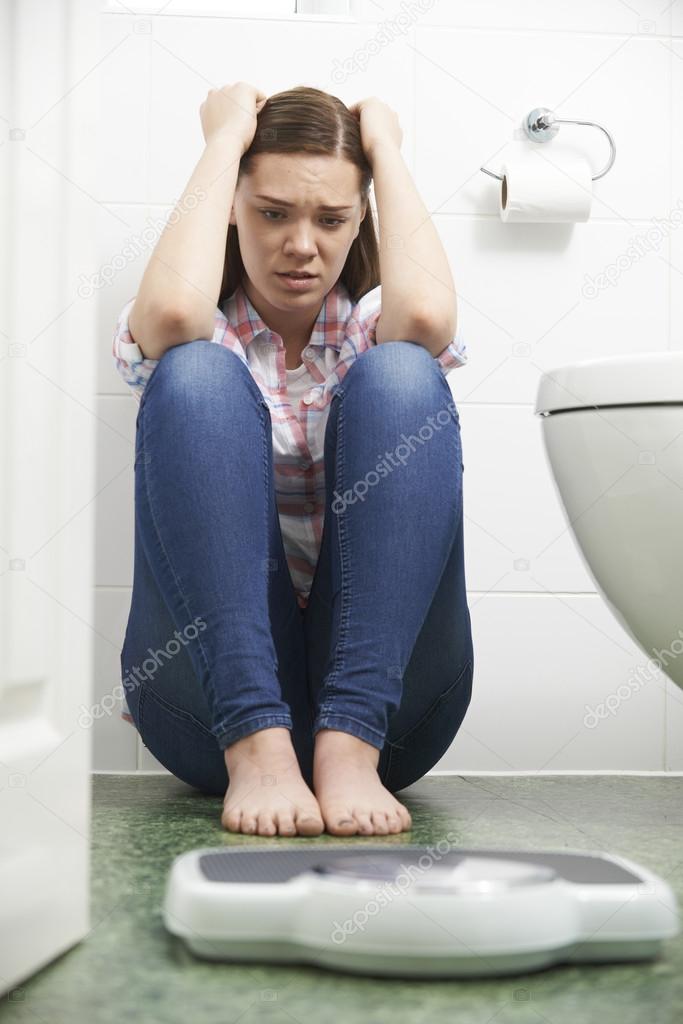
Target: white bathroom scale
[(411, 911)]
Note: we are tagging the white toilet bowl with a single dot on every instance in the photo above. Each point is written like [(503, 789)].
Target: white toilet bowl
[(613, 434)]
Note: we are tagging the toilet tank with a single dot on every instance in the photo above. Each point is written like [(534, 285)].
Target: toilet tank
[(613, 435)]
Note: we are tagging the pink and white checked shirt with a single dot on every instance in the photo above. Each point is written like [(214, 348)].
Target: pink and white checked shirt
[(298, 400)]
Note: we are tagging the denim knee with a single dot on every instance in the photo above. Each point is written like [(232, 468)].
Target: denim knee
[(197, 369), (403, 369), (199, 359), (394, 360)]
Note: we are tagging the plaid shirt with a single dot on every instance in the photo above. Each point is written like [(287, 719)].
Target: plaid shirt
[(341, 332)]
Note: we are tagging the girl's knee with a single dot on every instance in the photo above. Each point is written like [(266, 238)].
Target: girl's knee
[(190, 372), (405, 366)]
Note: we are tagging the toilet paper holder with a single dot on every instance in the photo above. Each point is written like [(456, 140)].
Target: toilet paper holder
[(541, 126)]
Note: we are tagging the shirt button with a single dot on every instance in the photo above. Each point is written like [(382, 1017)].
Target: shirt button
[(309, 507), (308, 399), (307, 352), (304, 464)]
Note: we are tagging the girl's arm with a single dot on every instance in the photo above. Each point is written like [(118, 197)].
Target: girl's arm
[(177, 296), (418, 294)]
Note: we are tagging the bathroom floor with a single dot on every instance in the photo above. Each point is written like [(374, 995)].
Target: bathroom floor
[(129, 968)]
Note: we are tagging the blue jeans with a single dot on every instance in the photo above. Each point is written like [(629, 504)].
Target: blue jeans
[(384, 648)]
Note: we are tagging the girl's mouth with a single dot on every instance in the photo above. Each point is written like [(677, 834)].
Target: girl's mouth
[(297, 280)]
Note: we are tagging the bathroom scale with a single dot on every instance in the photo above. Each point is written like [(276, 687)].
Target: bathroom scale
[(411, 911)]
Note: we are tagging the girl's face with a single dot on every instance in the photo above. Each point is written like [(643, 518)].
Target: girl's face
[(298, 212)]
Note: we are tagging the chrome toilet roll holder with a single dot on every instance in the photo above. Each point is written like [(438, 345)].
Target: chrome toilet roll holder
[(541, 126)]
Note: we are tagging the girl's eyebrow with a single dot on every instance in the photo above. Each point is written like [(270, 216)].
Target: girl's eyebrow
[(283, 202)]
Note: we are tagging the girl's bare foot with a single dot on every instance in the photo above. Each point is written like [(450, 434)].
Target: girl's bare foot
[(266, 793), (351, 797)]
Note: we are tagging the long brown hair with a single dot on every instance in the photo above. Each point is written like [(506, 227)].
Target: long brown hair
[(307, 120)]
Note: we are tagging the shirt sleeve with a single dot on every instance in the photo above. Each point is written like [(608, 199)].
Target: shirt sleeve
[(136, 370), (369, 309), (130, 363)]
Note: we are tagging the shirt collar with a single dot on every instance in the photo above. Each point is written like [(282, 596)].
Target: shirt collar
[(328, 329)]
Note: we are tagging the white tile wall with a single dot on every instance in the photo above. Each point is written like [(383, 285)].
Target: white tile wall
[(189, 57), (649, 17), (124, 81), (523, 320), (517, 537), (461, 77), (543, 662), (127, 235)]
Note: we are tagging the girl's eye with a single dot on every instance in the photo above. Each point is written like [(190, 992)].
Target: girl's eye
[(335, 220)]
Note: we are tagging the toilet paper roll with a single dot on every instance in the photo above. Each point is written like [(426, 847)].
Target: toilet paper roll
[(545, 190)]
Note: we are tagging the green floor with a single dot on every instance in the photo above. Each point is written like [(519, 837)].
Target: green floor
[(128, 967)]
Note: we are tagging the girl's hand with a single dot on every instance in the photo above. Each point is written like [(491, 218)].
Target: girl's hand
[(378, 123), (232, 111)]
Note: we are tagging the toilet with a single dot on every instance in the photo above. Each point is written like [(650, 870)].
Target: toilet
[(613, 435)]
